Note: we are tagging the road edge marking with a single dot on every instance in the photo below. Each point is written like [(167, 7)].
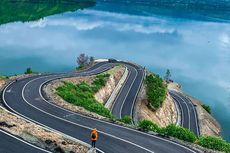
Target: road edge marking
[(23, 141)]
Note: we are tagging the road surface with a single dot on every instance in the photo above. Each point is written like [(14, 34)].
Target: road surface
[(12, 144), (125, 100), (25, 99), (188, 112)]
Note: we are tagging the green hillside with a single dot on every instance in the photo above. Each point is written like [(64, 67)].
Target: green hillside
[(30, 10)]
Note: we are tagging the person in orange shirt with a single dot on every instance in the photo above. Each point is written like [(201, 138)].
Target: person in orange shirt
[(94, 137)]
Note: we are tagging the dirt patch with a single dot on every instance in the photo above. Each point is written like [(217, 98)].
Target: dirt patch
[(163, 116), (174, 86), (2, 82), (208, 125), (38, 136)]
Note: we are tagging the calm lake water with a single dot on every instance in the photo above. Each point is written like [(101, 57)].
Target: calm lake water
[(196, 52)]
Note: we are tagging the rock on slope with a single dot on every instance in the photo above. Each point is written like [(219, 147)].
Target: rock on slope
[(164, 116)]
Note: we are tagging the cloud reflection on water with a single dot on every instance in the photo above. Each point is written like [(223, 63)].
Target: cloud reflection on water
[(196, 52)]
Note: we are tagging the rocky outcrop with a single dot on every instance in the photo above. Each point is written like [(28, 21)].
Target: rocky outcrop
[(163, 116), (208, 125)]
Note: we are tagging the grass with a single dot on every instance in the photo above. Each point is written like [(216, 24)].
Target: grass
[(3, 77), (126, 120), (82, 95)]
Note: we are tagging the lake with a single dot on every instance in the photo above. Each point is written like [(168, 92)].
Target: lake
[(197, 52)]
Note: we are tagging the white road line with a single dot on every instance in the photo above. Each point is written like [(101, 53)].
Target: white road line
[(40, 124), (72, 114), (9, 90), (121, 89), (116, 125), (128, 92), (134, 101), (78, 124), (197, 128), (23, 141), (189, 123), (182, 117), (98, 121)]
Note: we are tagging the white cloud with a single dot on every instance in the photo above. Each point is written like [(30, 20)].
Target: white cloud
[(40, 23), (120, 16), (224, 40), (87, 23)]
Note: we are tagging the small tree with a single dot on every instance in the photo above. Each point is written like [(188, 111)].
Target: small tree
[(167, 76), (28, 71), (91, 59), (207, 108), (82, 59)]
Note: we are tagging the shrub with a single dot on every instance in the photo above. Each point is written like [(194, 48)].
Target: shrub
[(147, 125), (28, 71), (99, 81), (82, 95), (156, 91), (207, 108), (216, 143), (80, 67), (84, 87), (180, 133), (170, 130), (126, 119)]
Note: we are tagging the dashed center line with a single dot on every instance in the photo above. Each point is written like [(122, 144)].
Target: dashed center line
[(68, 115)]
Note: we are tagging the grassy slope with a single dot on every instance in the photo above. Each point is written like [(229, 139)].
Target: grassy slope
[(82, 95)]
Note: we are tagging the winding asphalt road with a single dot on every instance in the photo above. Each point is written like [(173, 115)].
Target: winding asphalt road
[(24, 98), (125, 100), (189, 115)]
